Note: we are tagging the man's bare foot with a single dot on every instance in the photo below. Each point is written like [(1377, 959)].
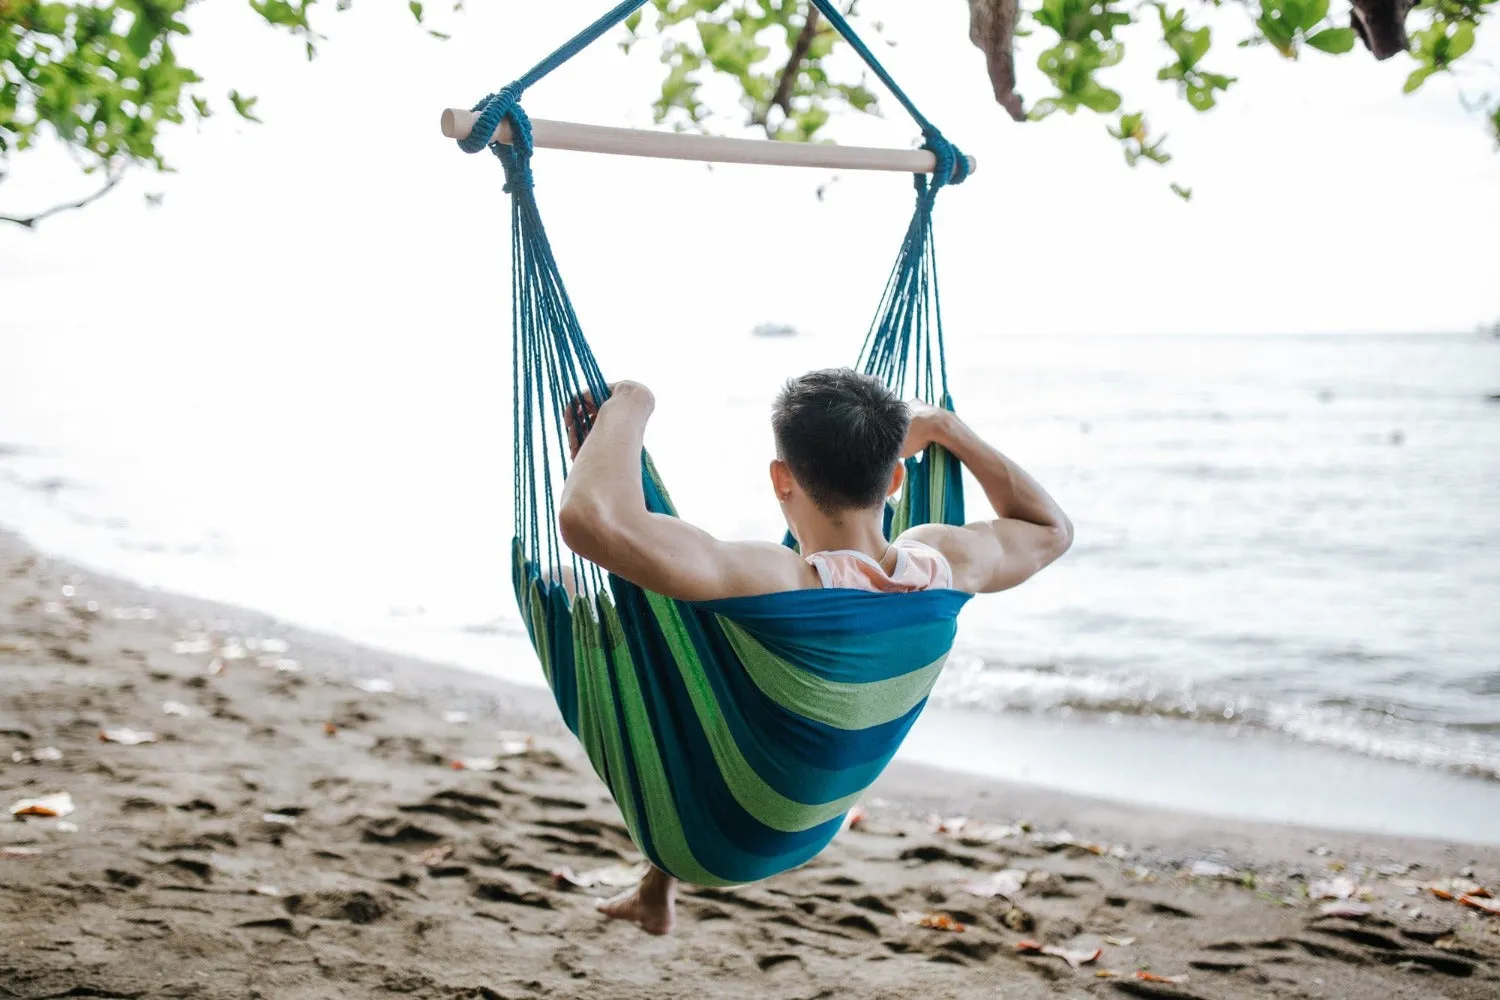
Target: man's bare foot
[(652, 905)]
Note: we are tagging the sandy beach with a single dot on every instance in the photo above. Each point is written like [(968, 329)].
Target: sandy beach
[(256, 811)]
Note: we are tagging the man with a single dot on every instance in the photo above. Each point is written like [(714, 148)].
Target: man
[(840, 438)]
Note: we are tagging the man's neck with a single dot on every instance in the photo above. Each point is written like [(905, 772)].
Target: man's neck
[(857, 531)]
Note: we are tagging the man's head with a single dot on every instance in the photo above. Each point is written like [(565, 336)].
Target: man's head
[(838, 441)]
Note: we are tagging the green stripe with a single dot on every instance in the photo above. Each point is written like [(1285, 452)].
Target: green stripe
[(756, 797), (592, 673), (667, 835), (937, 461), (833, 703)]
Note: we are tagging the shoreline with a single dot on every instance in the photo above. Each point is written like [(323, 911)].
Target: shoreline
[(1162, 765), (173, 846)]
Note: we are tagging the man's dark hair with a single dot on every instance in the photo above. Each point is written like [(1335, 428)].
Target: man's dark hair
[(840, 433)]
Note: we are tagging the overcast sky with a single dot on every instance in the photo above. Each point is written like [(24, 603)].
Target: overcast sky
[(1325, 200)]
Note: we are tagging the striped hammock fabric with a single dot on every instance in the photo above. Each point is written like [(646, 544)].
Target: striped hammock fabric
[(735, 734)]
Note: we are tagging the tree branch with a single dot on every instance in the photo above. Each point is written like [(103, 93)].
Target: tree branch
[(783, 97), (29, 222), (992, 27)]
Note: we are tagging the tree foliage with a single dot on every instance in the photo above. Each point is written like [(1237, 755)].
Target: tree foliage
[(104, 78), (779, 53)]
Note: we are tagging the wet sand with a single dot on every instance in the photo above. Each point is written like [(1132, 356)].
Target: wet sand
[(298, 830)]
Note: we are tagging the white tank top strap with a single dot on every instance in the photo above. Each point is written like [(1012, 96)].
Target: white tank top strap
[(910, 550), (918, 567)]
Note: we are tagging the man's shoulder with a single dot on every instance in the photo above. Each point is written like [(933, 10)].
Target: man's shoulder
[(757, 567)]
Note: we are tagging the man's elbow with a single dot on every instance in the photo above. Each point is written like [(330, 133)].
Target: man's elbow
[(584, 527), (1061, 537)]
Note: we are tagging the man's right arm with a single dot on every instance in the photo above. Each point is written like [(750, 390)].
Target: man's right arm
[(1030, 531)]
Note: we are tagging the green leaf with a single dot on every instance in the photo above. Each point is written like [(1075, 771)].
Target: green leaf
[(1335, 41), (415, 7), (1186, 194), (1043, 108), (1418, 77), (633, 22), (439, 35), (1313, 14), (1462, 40), (243, 105), (1100, 99), (201, 107), (142, 34)]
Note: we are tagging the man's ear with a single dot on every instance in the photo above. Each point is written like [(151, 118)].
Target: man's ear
[(898, 479), (782, 480)]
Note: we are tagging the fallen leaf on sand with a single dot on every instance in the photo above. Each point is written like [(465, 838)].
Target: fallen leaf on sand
[(1073, 958), (932, 921), (176, 708), (329, 729), (41, 755), (1333, 888), (1346, 908), (1106, 974), (1441, 893), (19, 852), (511, 745), (1483, 905), (278, 819), (375, 685), (1119, 942), (1151, 977), (126, 737), (434, 856), (1458, 887), (60, 804), (1005, 883), (953, 825), (613, 876)]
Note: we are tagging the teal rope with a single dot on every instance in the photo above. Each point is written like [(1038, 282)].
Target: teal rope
[(495, 107), (552, 361), (952, 166)]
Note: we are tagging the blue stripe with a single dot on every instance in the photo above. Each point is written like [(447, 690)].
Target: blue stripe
[(836, 613)]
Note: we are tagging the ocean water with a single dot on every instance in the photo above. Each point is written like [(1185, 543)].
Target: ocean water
[(1294, 536)]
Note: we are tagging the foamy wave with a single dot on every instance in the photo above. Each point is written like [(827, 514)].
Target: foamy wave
[(970, 682)]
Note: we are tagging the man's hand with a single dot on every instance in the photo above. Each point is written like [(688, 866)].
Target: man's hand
[(581, 411), (929, 425)]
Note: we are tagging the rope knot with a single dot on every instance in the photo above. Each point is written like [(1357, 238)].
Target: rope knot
[(952, 165), (492, 110)]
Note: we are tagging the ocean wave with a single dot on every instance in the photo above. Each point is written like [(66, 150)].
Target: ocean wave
[(1379, 731)]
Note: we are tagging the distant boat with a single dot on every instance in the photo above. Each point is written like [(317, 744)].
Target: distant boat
[(774, 330)]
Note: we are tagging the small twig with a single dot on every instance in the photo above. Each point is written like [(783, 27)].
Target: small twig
[(29, 222), (783, 96)]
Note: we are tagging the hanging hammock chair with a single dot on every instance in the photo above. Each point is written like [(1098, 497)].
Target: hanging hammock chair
[(733, 734)]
